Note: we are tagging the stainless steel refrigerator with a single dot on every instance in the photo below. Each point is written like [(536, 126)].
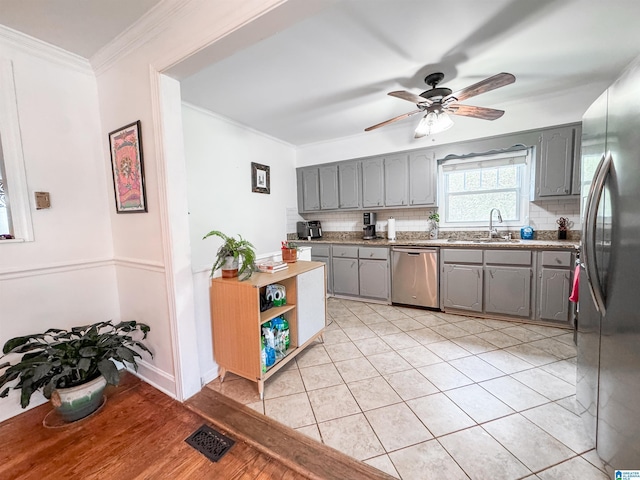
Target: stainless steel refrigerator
[(608, 337)]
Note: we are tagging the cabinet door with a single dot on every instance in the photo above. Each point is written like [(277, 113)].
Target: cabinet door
[(349, 185), (309, 184), (372, 183), (554, 294), (422, 179), (507, 290), (374, 279), (396, 181), (555, 162), (311, 304), (462, 287), (345, 276), (577, 161), (328, 187), (327, 264)]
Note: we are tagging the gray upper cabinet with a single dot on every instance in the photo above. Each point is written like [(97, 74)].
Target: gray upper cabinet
[(422, 179), (396, 181), (373, 183), (349, 185), (308, 189), (557, 158), (328, 187)]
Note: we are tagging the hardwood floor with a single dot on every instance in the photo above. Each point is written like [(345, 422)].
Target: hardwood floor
[(140, 432)]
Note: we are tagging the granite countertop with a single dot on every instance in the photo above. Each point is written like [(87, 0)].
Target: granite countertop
[(446, 243)]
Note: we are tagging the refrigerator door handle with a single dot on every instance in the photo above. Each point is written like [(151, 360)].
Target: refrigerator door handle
[(589, 231)]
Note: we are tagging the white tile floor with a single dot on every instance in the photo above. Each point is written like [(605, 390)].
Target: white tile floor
[(424, 395)]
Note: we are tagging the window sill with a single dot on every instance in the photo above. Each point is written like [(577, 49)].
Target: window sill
[(13, 240)]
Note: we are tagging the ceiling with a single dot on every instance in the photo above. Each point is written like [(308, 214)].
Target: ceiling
[(78, 26), (327, 75)]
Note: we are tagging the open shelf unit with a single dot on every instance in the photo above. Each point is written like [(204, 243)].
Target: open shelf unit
[(236, 318)]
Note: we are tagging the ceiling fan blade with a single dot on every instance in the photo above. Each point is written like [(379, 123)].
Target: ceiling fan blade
[(391, 120), (475, 112), (486, 85), (410, 97)]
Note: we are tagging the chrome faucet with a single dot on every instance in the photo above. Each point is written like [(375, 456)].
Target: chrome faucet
[(493, 232)]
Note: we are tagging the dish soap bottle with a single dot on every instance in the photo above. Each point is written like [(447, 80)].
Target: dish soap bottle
[(526, 232)]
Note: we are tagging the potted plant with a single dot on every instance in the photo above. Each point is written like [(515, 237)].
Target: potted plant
[(229, 255), (434, 220), (289, 252), (72, 367)]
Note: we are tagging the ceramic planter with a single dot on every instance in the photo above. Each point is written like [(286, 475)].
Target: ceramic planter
[(77, 402), (289, 255), (230, 267)]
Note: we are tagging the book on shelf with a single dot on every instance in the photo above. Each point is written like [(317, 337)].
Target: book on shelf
[(272, 266)]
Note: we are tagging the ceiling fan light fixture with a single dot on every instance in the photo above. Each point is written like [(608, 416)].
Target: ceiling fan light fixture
[(433, 123)]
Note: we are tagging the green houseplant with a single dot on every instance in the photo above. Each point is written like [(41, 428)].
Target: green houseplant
[(59, 362), (229, 255)]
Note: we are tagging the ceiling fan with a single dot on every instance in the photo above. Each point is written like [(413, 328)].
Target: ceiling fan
[(438, 102)]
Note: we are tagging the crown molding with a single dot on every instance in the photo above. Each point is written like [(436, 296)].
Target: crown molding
[(32, 46), (144, 29)]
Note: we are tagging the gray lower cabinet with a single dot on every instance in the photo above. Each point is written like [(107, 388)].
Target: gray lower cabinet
[(346, 276), (361, 271), (500, 282), (554, 286), (507, 290), (322, 253), (462, 287)]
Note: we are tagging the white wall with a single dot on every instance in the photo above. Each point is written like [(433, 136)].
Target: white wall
[(65, 277), (218, 156)]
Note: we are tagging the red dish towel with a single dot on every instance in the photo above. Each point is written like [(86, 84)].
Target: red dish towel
[(576, 285)]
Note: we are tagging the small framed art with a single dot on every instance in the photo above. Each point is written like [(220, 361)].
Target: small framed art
[(128, 169), (260, 178)]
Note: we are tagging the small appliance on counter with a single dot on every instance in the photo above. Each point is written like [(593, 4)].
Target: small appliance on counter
[(309, 230), (369, 229)]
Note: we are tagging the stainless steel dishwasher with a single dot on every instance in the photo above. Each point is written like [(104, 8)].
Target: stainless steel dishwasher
[(414, 276)]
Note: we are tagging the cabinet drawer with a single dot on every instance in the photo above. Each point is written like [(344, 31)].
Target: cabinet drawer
[(320, 250), (556, 259), (345, 251), (374, 253), (508, 257), (461, 256)]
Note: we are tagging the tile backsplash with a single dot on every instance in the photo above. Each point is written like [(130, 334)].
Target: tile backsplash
[(542, 216)]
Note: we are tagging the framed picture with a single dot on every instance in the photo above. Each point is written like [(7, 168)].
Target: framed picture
[(128, 169), (260, 178)]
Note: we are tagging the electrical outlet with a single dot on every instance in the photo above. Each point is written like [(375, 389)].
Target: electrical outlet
[(42, 200)]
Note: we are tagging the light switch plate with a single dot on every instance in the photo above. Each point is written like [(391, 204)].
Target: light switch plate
[(42, 200)]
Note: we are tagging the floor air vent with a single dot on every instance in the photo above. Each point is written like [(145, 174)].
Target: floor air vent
[(210, 443)]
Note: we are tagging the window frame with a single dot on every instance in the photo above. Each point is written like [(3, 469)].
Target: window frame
[(524, 190), (14, 167)]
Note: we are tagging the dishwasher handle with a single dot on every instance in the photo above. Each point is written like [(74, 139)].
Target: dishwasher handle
[(415, 250)]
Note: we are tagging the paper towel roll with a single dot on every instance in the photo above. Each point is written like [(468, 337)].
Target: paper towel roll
[(391, 228)]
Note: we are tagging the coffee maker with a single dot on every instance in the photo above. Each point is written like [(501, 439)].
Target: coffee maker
[(369, 229)]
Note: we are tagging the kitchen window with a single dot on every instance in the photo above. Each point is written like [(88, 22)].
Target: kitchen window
[(470, 187)]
